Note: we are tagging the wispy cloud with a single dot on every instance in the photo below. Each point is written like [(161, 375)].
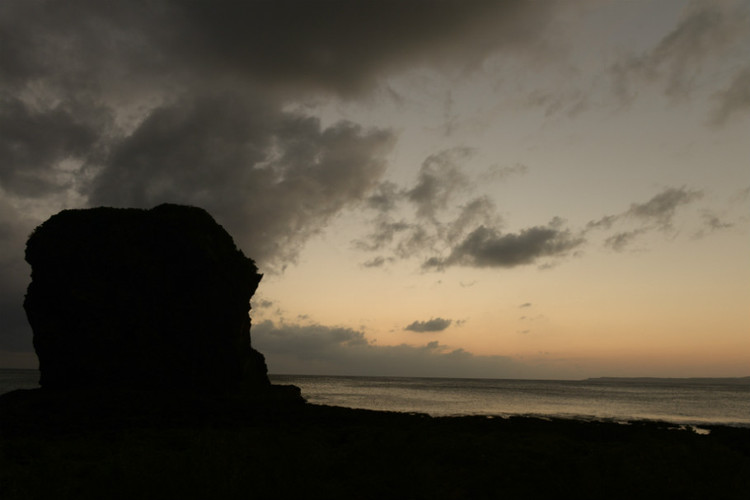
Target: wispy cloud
[(734, 100), (656, 214), (707, 30)]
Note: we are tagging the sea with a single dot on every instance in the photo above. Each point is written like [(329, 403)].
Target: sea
[(680, 401)]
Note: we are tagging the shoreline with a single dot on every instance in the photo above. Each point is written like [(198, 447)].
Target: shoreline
[(696, 420), (168, 446)]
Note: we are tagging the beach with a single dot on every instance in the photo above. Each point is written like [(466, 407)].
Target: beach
[(76, 445)]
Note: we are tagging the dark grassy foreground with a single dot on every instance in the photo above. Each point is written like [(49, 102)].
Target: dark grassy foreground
[(88, 445)]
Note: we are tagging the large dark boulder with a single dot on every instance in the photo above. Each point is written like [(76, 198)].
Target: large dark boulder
[(141, 299)]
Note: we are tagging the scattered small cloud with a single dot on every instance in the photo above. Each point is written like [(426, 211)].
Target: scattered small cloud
[(431, 325), (378, 261), (711, 223)]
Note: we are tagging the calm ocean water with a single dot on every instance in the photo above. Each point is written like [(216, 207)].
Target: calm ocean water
[(676, 400), (672, 400)]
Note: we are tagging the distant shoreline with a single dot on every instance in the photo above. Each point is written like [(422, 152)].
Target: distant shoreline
[(676, 380), (722, 380)]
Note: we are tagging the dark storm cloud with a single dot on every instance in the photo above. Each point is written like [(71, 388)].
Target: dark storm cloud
[(346, 46), (707, 30), (143, 102), (488, 247), (33, 143), (149, 65), (431, 325), (319, 349), (251, 165), (338, 45)]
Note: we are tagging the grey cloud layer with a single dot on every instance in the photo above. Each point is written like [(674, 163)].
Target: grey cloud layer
[(335, 45), (251, 164), (319, 349), (149, 101), (33, 143), (141, 102), (146, 101)]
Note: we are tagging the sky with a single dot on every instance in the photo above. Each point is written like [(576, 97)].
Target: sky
[(502, 189)]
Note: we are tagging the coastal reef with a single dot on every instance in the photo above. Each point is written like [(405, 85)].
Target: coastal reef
[(103, 449), (142, 299)]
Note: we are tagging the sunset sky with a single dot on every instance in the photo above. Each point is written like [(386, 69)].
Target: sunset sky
[(507, 189)]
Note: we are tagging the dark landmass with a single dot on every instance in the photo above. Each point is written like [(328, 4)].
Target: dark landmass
[(142, 299), (662, 380), (142, 444)]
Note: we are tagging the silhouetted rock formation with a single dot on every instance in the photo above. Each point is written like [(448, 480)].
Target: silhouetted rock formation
[(142, 299)]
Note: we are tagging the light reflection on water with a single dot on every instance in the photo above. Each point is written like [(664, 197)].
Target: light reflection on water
[(678, 402)]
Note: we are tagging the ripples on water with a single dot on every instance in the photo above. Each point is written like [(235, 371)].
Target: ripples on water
[(678, 401)]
